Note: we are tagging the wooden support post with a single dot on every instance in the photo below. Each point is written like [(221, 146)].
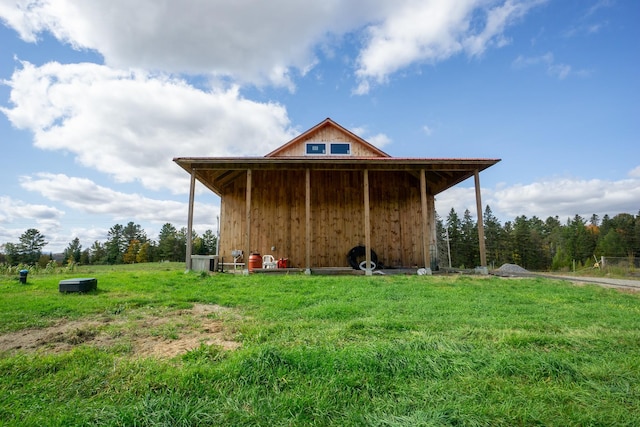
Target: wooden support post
[(247, 235), (307, 216), (483, 252), (367, 226), (433, 240), (192, 192), (426, 231)]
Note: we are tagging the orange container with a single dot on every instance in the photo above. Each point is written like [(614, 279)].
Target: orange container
[(255, 261)]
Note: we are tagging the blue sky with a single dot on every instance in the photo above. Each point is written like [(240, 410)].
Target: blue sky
[(98, 97)]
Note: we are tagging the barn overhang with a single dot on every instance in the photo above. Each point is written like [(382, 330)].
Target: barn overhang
[(433, 175), (216, 173)]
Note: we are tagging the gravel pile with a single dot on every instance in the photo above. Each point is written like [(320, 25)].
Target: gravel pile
[(511, 270)]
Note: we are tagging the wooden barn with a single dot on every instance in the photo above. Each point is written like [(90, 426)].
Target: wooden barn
[(325, 192)]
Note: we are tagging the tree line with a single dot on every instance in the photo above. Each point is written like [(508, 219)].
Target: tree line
[(532, 243), (537, 244), (125, 244)]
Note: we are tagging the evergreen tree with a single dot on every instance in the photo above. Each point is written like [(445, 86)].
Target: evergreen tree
[(454, 228), (441, 236), (553, 234), (73, 251), (133, 232), (168, 242), (470, 251), (611, 245), (85, 257), (30, 246), (522, 241), (12, 255), (209, 241), (636, 236), (116, 244), (197, 245), (181, 244), (98, 253), (605, 225), (577, 241), (493, 238), (539, 256), (624, 225), (508, 242)]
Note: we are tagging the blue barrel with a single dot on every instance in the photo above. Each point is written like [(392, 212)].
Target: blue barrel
[(23, 276)]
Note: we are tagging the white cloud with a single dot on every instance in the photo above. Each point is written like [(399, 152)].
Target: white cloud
[(459, 198), (83, 195), (130, 124), (561, 71), (429, 31), (563, 197), (255, 41), (89, 201), (16, 216), (379, 140), (268, 42), (635, 172), (11, 210), (600, 4), (567, 197)]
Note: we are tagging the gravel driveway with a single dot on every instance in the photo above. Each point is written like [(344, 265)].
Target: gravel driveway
[(602, 281), (514, 270)]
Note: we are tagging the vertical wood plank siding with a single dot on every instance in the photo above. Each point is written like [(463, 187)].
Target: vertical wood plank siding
[(278, 216)]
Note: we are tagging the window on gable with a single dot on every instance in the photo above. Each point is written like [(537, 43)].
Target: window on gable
[(316, 148), (341, 148), (335, 148)]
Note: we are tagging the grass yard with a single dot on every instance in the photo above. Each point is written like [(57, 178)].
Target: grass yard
[(157, 347)]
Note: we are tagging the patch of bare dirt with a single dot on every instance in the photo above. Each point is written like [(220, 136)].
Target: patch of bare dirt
[(145, 332)]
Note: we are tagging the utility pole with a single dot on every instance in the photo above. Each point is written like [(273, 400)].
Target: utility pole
[(448, 247)]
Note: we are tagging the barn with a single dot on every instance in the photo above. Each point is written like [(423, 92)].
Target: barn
[(325, 192)]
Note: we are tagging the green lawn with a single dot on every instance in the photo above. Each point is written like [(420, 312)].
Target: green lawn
[(332, 350)]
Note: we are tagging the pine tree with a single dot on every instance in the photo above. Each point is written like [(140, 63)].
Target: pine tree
[(73, 251), (454, 229), (116, 244), (209, 241), (98, 253), (493, 238), (30, 246), (469, 229), (167, 242)]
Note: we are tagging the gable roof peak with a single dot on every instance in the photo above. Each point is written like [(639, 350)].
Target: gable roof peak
[(290, 147)]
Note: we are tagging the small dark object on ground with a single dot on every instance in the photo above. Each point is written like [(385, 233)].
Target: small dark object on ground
[(23, 276), (78, 285)]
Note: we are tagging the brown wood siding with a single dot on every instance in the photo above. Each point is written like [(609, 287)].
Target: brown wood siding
[(328, 134), (396, 218), (337, 216)]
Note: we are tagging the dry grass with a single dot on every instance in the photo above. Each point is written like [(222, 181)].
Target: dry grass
[(158, 332)]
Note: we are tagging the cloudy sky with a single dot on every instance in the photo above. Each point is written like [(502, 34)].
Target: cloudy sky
[(98, 97)]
